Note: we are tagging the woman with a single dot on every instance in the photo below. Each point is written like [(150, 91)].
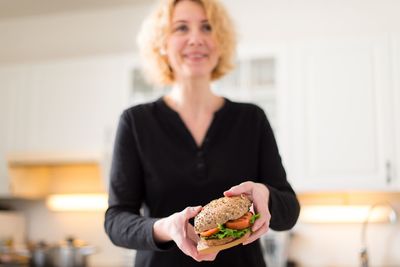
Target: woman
[(190, 146)]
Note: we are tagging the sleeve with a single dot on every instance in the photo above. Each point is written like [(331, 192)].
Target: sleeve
[(123, 223), (283, 203)]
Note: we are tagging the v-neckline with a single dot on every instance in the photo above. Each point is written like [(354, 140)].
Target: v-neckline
[(210, 130)]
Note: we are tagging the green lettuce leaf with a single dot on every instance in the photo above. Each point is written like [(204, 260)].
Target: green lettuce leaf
[(227, 232), (254, 218)]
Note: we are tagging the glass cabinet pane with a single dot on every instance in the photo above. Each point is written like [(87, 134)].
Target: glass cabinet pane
[(262, 73)]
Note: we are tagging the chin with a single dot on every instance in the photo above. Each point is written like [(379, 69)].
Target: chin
[(196, 74), (198, 71)]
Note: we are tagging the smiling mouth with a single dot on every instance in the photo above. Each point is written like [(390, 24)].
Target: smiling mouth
[(195, 56)]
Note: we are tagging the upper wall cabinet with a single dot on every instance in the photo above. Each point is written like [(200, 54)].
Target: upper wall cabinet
[(260, 77), (61, 107), (341, 115), (253, 80), (73, 104), (12, 108)]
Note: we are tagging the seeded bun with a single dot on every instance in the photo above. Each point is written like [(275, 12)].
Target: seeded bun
[(220, 211)]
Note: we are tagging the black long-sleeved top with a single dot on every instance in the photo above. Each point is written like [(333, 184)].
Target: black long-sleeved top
[(157, 165)]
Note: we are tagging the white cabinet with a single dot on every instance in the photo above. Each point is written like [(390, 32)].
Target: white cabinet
[(72, 104), (260, 77), (62, 107), (253, 80), (341, 119), (395, 52), (12, 105)]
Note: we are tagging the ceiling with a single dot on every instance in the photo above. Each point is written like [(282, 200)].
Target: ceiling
[(22, 8)]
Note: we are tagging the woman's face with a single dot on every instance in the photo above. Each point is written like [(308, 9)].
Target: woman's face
[(191, 48)]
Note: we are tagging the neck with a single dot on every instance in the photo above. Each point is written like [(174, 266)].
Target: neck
[(194, 96)]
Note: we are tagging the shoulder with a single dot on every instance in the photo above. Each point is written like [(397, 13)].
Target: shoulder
[(247, 109), (139, 111)]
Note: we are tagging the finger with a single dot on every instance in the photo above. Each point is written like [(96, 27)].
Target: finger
[(191, 233), (190, 212), (264, 219), (256, 235), (188, 247), (243, 188), (208, 257), (265, 215), (261, 196), (260, 205), (201, 257), (204, 257)]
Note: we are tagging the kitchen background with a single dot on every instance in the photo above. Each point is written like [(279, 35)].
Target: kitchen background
[(326, 72)]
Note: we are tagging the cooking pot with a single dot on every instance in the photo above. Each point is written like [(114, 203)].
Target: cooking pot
[(70, 253), (40, 256)]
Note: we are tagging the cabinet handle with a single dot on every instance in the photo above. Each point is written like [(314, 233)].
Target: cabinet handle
[(388, 172)]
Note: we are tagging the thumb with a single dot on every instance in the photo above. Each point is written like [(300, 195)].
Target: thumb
[(243, 188), (233, 191), (229, 193)]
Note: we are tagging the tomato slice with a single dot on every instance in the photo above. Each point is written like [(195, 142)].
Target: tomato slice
[(209, 232), (241, 223)]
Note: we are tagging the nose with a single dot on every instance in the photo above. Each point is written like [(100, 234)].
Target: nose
[(196, 38)]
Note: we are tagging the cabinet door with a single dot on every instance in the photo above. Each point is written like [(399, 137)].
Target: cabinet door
[(13, 81), (73, 103), (340, 137), (395, 52)]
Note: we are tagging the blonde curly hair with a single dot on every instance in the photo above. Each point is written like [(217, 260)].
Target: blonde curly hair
[(155, 31)]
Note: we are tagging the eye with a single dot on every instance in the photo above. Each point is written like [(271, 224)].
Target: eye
[(181, 28), (206, 27)]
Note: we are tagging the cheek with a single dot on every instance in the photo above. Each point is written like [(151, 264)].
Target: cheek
[(171, 58), (216, 55), (174, 44), (213, 47), (173, 49)]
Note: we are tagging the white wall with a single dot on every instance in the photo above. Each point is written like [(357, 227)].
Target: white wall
[(53, 227), (274, 21), (330, 245), (38, 38), (113, 30)]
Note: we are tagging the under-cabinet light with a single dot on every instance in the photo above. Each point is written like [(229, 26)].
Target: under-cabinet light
[(344, 213), (77, 202)]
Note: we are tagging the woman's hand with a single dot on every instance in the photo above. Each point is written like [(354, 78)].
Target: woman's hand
[(176, 227), (259, 194)]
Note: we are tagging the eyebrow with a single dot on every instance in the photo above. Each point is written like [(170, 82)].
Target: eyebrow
[(185, 21)]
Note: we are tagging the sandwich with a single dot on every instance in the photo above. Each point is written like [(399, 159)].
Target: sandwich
[(224, 223)]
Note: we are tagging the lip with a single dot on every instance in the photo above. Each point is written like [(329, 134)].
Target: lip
[(195, 56)]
